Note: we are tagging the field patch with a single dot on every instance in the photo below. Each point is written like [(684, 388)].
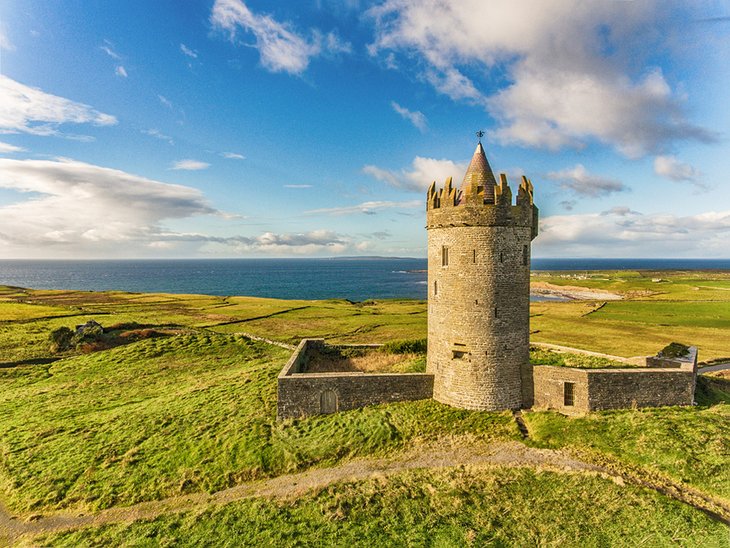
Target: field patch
[(711, 314)]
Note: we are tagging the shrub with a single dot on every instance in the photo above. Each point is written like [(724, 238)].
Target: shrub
[(674, 350), (90, 332), (411, 346), (61, 339)]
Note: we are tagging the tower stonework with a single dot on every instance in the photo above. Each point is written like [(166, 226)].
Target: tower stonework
[(479, 289)]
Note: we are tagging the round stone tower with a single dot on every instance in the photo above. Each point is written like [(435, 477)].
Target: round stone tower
[(479, 289)]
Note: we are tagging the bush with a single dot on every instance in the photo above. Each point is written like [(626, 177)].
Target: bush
[(411, 346), (90, 332), (86, 338), (61, 339), (674, 350)]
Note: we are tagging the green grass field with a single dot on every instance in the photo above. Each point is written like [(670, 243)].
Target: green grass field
[(185, 413), (194, 410), (496, 507), (689, 445)]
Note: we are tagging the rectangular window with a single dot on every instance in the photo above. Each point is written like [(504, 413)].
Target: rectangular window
[(459, 351), (501, 257), (496, 312), (474, 256), (569, 394), (444, 256), (525, 255), (435, 288)]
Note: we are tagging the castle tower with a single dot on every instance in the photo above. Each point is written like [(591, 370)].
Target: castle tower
[(479, 288)]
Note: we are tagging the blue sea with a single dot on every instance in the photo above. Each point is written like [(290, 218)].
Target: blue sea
[(355, 279)]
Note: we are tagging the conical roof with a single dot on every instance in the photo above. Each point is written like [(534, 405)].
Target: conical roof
[(480, 172)]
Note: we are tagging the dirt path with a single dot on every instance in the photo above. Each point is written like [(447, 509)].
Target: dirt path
[(711, 368), (474, 455)]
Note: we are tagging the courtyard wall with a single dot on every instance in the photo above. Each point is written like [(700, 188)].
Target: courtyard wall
[(661, 383), (302, 394)]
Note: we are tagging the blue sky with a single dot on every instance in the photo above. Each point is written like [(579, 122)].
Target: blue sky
[(244, 129)]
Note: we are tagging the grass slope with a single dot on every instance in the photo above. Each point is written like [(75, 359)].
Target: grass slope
[(185, 413), (494, 507), (689, 445)]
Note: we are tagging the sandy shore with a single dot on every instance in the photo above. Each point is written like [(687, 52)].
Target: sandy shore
[(572, 292)]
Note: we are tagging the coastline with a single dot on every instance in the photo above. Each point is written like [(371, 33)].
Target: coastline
[(572, 293)]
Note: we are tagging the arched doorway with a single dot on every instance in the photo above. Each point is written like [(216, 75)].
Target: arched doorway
[(328, 401)]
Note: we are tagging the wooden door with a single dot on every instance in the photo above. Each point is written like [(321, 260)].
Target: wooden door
[(328, 401)]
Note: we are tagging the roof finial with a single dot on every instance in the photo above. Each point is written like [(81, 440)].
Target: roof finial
[(480, 134)]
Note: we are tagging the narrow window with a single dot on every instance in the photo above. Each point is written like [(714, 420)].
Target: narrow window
[(569, 394), (501, 257), (459, 351), (496, 312), (435, 288), (474, 256), (444, 256), (525, 255)]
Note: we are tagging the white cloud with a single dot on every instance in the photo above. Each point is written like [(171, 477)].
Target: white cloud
[(281, 48), (333, 44), (672, 168), (574, 71), (585, 184), (233, 156), (121, 71), (110, 52), (302, 243), (30, 110), (621, 232), (190, 165), (423, 172), (315, 242), (75, 209), (368, 208), (5, 42), (6, 148), (417, 118), (158, 135), (82, 208), (189, 52), (297, 186), (165, 101)]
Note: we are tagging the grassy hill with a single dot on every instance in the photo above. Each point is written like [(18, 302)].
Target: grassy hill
[(180, 401)]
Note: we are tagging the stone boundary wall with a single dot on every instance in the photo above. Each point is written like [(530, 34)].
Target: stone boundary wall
[(302, 394), (636, 360), (673, 383)]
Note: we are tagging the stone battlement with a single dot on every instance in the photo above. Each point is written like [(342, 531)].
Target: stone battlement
[(473, 193), (474, 205)]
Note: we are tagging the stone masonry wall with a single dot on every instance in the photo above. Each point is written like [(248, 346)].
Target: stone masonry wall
[(301, 394), (616, 388), (478, 314)]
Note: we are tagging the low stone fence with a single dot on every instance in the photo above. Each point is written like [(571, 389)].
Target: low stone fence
[(302, 394), (576, 391)]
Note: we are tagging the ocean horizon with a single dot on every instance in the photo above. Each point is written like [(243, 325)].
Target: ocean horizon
[(353, 278)]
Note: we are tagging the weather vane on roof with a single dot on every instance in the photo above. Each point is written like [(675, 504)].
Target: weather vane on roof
[(480, 134)]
